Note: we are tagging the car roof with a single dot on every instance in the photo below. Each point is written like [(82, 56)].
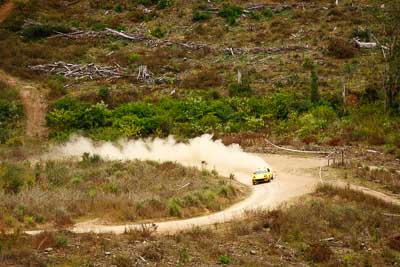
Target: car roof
[(262, 169)]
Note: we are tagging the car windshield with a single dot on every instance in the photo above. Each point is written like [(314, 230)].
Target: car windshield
[(261, 171)]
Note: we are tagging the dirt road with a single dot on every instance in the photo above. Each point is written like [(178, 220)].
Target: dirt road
[(296, 176), (5, 10), (34, 102)]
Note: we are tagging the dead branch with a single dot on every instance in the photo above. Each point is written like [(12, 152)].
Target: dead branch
[(135, 38), (275, 8), (77, 71)]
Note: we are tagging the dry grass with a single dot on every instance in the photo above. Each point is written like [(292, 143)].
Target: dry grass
[(59, 192), (389, 178), (333, 227)]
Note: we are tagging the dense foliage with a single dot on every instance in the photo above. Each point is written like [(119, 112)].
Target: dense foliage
[(280, 113)]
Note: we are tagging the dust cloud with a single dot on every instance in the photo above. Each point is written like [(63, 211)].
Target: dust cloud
[(201, 152)]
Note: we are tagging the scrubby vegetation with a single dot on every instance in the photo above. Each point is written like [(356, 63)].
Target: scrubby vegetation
[(328, 92), (11, 114), (337, 227), (284, 114), (59, 192), (296, 97)]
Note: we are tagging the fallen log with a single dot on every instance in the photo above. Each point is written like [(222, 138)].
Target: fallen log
[(368, 45), (128, 36)]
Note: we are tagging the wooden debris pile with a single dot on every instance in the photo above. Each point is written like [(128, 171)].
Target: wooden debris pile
[(77, 71)]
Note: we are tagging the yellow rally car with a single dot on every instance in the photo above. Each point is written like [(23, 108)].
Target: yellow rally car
[(262, 175)]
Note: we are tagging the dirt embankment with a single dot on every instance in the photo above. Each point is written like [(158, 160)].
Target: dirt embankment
[(35, 105), (5, 10)]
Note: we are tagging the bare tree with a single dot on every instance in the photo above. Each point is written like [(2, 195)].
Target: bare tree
[(390, 21), (392, 32)]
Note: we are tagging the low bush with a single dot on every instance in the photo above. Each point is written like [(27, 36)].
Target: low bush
[(39, 31), (56, 85), (158, 32), (240, 90), (162, 4), (199, 15), (231, 13), (11, 178), (340, 48), (224, 259), (11, 112), (267, 12)]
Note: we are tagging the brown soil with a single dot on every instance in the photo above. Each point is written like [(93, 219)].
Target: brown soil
[(35, 109), (5, 10)]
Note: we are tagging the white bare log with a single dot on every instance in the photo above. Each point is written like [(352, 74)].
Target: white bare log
[(368, 45)]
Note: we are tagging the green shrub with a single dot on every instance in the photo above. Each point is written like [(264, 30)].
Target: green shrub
[(183, 255), (98, 26), (158, 32), (243, 89), (370, 94), (361, 34), (56, 85), (174, 206), (36, 32), (224, 259), (118, 8), (231, 13), (121, 28), (267, 12), (316, 120), (134, 57), (162, 4), (11, 178), (199, 15), (104, 94), (147, 2), (61, 241), (90, 159)]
